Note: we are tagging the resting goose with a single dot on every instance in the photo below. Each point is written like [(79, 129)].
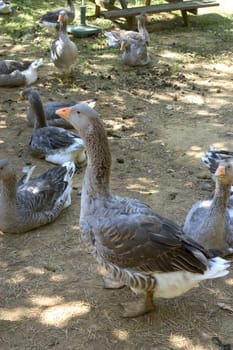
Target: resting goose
[(9, 66), (5, 7), (63, 51), (135, 52), (36, 202), (19, 78), (209, 221), (56, 145), (50, 18), (115, 37), (50, 113), (138, 247)]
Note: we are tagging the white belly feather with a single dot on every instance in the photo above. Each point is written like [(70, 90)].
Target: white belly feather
[(173, 284)]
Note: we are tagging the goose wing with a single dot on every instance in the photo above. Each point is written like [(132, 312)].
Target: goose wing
[(53, 138), (147, 244)]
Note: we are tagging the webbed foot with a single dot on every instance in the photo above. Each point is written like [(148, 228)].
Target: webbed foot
[(140, 307)]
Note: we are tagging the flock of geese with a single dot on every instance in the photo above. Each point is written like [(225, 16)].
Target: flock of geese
[(138, 247)]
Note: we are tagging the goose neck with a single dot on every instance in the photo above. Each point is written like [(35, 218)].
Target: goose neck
[(8, 190), (63, 31), (221, 195), (70, 5), (97, 176), (38, 111)]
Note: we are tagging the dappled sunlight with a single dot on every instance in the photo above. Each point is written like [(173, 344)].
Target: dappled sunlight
[(21, 276), (60, 315), (57, 278), (42, 300), (120, 334), (229, 281), (3, 124), (47, 312), (143, 186), (17, 313), (159, 120), (196, 152), (181, 342)]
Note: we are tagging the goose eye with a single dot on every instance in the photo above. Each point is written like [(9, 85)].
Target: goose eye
[(78, 112)]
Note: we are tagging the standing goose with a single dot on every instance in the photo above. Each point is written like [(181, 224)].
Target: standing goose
[(137, 247), (115, 37), (211, 160), (63, 51), (50, 18), (210, 222), (56, 145), (36, 202)]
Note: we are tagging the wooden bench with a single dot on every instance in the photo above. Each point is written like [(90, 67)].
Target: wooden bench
[(173, 5)]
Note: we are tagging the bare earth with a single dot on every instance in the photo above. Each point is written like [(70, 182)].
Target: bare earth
[(160, 120)]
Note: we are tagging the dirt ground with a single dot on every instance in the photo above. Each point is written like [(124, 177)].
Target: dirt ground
[(160, 120)]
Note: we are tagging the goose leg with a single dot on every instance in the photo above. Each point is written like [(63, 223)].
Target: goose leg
[(140, 307), (111, 283)]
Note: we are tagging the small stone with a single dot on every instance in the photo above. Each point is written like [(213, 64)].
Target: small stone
[(229, 134), (172, 196), (170, 171)]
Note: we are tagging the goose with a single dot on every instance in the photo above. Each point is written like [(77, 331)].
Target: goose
[(50, 18), (20, 78), (55, 144), (36, 202), (209, 222), (9, 66), (135, 52), (115, 37), (50, 113), (211, 160), (136, 246), (63, 51), (5, 7)]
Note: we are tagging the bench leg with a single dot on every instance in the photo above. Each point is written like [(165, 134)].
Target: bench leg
[(185, 18), (97, 10)]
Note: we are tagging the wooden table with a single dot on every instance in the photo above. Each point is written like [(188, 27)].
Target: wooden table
[(109, 10)]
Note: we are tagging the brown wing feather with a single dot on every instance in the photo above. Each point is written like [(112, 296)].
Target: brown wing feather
[(148, 244)]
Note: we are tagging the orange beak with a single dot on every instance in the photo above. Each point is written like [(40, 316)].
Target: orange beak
[(221, 171), (64, 112), (60, 18)]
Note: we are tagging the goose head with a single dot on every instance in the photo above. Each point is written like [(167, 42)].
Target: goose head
[(63, 17), (224, 172), (31, 72), (81, 116), (33, 96)]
